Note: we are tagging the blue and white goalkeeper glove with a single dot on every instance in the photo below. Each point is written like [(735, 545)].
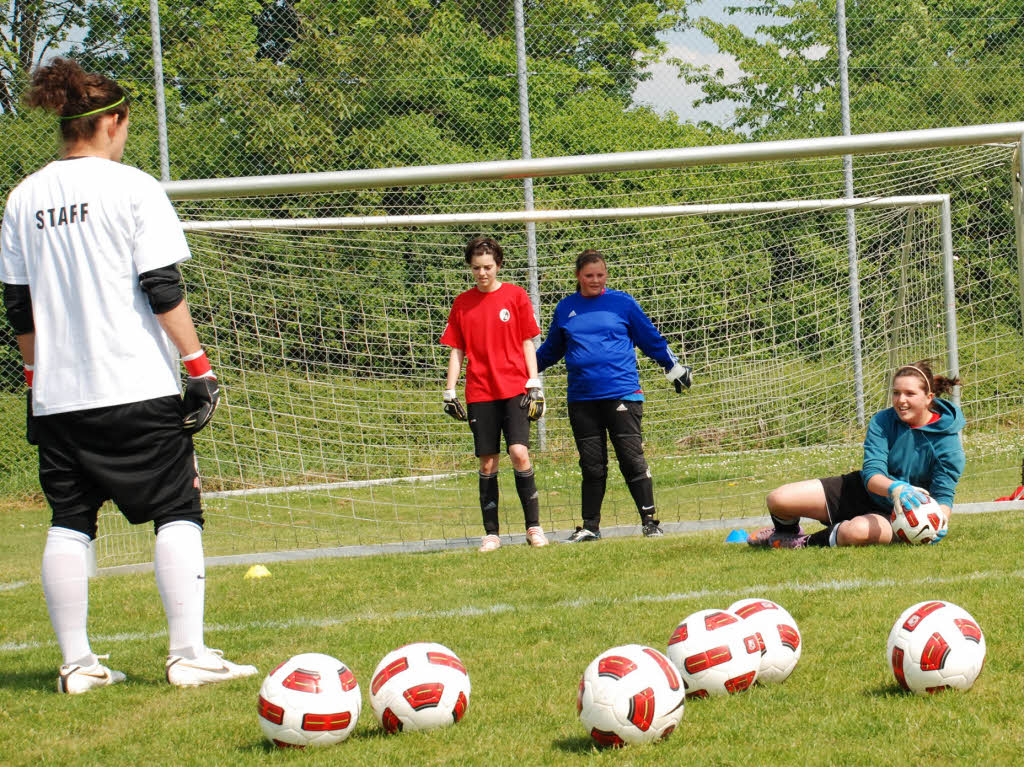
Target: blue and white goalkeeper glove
[(680, 376), (908, 497)]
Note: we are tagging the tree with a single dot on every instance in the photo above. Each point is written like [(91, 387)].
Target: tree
[(29, 30), (912, 64)]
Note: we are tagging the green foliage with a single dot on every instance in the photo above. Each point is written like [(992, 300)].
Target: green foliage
[(912, 64)]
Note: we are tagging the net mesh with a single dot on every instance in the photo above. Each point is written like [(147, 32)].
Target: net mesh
[(331, 431)]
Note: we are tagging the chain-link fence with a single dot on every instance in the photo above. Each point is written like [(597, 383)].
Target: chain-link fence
[(255, 87), (281, 86)]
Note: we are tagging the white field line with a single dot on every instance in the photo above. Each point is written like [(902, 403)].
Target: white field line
[(472, 611)]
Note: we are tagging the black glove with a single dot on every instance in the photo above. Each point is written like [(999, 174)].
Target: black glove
[(201, 397), (30, 420), (452, 406), (680, 376), (533, 399)]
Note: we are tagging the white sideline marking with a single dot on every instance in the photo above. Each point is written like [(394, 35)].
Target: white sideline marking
[(471, 611), (329, 485), (12, 586)]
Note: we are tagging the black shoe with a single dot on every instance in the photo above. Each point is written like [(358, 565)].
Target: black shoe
[(582, 535), (652, 529)]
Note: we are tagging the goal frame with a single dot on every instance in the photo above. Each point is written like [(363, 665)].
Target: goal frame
[(1008, 133)]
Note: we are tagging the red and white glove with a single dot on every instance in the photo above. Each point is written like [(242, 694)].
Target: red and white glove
[(202, 392), (30, 419)]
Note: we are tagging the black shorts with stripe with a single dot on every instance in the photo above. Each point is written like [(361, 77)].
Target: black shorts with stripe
[(136, 455)]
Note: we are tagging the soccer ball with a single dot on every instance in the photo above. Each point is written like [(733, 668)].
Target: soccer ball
[(630, 694), (781, 643), (716, 652), (420, 686), (935, 645), (309, 700), (925, 524)]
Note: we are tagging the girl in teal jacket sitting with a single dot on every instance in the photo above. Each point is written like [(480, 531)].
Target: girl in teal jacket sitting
[(914, 444)]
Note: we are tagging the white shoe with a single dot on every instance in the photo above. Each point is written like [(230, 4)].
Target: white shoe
[(490, 543), (535, 536), (78, 679), (206, 669)]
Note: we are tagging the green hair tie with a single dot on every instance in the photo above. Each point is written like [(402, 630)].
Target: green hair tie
[(96, 111)]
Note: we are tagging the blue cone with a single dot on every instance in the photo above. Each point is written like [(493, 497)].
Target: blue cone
[(736, 536)]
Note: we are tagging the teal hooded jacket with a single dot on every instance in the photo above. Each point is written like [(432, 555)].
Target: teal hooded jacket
[(929, 456)]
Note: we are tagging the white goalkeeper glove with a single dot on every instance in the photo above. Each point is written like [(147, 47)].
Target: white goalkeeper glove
[(452, 406), (202, 392), (533, 400), (680, 376)]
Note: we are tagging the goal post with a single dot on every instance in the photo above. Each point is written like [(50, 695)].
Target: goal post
[(321, 301)]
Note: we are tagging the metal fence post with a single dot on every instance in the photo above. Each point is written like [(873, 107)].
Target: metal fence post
[(158, 85), (522, 76), (851, 223)]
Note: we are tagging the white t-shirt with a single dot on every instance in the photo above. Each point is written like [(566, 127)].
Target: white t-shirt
[(79, 232)]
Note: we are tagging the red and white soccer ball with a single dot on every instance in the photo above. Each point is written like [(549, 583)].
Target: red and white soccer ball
[(716, 653), (630, 694), (309, 700), (781, 643), (935, 645), (925, 524), (421, 686)]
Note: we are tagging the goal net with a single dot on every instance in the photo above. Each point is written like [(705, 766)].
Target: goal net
[(322, 312)]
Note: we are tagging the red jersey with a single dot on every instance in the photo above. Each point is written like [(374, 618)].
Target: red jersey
[(490, 328)]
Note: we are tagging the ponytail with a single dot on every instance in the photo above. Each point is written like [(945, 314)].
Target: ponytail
[(77, 97)]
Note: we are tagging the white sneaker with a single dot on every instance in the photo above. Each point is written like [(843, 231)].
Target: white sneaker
[(490, 543), (78, 679), (206, 669), (535, 536)]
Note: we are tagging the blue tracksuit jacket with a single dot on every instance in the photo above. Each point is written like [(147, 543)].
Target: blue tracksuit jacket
[(597, 337), (929, 456)]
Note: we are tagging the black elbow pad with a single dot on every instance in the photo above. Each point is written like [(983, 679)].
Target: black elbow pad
[(18, 302), (162, 288)]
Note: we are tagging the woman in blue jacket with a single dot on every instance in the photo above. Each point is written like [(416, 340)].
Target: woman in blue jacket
[(913, 444), (596, 331)]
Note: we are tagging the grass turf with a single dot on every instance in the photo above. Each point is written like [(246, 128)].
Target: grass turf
[(526, 623)]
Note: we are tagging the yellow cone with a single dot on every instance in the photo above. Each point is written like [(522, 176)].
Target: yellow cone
[(257, 571)]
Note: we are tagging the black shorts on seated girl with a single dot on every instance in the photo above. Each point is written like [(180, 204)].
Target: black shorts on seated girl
[(846, 498)]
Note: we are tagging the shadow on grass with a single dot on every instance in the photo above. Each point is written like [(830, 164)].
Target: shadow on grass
[(886, 691), (264, 746), (31, 680), (579, 744)]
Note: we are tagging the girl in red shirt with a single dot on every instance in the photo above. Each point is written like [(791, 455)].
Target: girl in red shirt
[(492, 327)]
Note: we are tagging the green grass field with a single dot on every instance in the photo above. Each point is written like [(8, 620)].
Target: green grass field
[(526, 623), (688, 487)]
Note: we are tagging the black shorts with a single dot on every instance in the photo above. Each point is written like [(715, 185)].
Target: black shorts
[(846, 498), (136, 455), (489, 420)]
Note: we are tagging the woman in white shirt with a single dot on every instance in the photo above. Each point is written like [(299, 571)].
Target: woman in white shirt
[(89, 250)]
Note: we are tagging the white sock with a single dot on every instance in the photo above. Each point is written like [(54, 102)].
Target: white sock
[(65, 575), (181, 579), (832, 537)]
